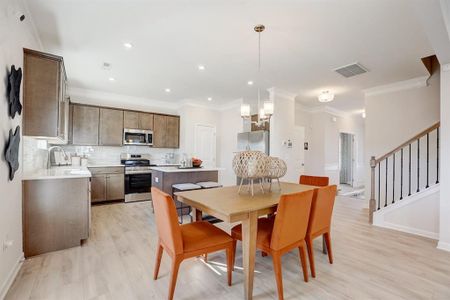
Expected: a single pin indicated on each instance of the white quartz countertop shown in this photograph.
(178, 170)
(58, 173)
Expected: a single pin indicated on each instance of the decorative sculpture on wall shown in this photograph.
(14, 81)
(12, 152)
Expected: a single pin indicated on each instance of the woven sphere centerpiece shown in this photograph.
(276, 168)
(250, 164)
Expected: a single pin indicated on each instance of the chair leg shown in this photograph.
(230, 261)
(328, 243)
(309, 245)
(176, 261)
(206, 257)
(159, 253)
(263, 254)
(278, 274)
(302, 252)
(234, 254)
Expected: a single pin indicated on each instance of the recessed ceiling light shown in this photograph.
(128, 45)
(167, 90)
(111, 79)
(209, 99)
(201, 67)
(250, 82)
(363, 114)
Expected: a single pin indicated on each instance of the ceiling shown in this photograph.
(303, 42)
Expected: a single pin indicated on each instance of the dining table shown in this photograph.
(230, 206)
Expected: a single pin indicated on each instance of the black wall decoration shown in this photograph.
(12, 152)
(14, 81)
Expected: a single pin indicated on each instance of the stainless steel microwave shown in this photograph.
(137, 137)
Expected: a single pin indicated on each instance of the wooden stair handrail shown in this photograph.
(416, 137)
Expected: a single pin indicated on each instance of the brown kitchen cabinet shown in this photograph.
(166, 132)
(85, 120)
(111, 127)
(56, 214)
(107, 184)
(137, 120)
(46, 108)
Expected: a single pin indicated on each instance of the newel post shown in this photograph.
(372, 202)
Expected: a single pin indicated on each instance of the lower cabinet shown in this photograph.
(107, 184)
(56, 214)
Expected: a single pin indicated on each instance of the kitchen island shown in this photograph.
(164, 177)
(56, 209)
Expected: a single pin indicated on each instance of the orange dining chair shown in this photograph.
(314, 180)
(320, 222)
(286, 231)
(185, 241)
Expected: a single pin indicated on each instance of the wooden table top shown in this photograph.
(226, 204)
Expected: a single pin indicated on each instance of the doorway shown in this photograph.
(205, 144)
(346, 158)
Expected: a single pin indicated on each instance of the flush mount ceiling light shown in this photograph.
(128, 45)
(201, 67)
(209, 98)
(265, 111)
(326, 96)
(167, 90)
(363, 115)
(111, 79)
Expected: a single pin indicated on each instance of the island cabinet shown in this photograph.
(56, 214)
(46, 104)
(166, 133)
(137, 120)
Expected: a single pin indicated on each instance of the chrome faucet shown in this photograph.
(50, 151)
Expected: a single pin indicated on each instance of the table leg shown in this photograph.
(249, 230)
(198, 215)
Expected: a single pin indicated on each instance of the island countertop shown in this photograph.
(58, 173)
(174, 169)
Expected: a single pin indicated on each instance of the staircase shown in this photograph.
(404, 177)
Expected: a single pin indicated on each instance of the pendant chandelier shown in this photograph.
(265, 111)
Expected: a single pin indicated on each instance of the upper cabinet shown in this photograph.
(137, 120)
(166, 132)
(85, 120)
(111, 127)
(46, 105)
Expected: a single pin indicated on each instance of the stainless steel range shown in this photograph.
(138, 177)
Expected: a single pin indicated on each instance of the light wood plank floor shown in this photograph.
(117, 263)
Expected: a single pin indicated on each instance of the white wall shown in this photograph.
(230, 125)
(14, 35)
(323, 127)
(394, 117)
(444, 235)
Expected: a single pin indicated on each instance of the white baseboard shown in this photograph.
(443, 246)
(11, 276)
(411, 230)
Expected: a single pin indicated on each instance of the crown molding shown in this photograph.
(326, 109)
(413, 83)
(283, 93)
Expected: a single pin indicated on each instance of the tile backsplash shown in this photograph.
(35, 158)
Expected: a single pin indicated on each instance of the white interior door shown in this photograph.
(205, 144)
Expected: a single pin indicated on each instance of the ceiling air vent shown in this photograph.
(351, 70)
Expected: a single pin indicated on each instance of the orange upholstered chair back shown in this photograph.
(322, 209)
(167, 221)
(314, 180)
(291, 220)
